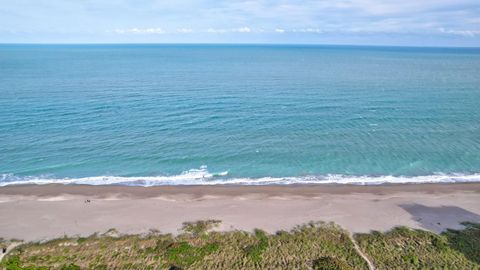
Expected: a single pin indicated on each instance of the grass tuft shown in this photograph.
(404, 248)
(255, 251)
(330, 263)
(200, 227)
(466, 241)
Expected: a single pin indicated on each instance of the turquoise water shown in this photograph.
(210, 114)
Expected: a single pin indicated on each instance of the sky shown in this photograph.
(354, 22)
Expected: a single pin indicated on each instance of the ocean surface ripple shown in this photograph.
(154, 114)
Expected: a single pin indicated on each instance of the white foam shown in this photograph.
(203, 177)
(54, 199)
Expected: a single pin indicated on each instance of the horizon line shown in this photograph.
(238, 43)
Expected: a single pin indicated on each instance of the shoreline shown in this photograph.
(41, 212)
(231, 189)
(201, 176)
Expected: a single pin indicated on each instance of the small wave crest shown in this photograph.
(190, 177)
(202, 176)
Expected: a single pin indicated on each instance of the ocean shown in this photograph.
(238, 114)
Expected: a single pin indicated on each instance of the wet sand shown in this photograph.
(40, 212)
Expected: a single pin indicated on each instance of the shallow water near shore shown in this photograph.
(160, 114)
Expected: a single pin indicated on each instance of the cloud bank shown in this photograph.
(434, 22)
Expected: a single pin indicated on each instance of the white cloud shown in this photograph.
(308, 30)
(243, 30)
(230, 30)
(184, 30)
(353, 16)
(140, 31)
(465, 33)
(474, 20)
(444, 21)
(216, 31)
(382, 26)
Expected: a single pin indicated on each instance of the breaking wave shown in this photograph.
(202, 176)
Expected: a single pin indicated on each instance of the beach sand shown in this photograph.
(40, 212)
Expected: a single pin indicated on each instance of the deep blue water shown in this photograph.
(159, 114)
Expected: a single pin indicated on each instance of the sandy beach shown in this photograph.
(40, 212)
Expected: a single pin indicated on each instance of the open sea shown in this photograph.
(238, 114)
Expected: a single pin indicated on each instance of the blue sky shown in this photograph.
(372, 22)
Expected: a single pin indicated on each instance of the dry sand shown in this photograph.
(34, 213)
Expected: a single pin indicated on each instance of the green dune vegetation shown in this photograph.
(403, 248)
(310, 246)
